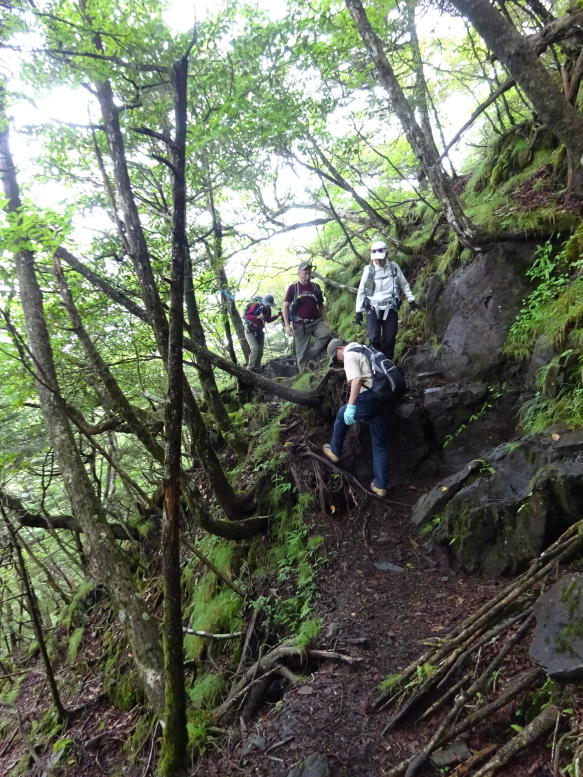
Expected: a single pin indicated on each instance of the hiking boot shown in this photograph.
(330, 454)
(382, 492)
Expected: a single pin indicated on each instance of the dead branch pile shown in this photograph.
(451, 675)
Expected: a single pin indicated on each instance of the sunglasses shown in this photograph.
(382, 251)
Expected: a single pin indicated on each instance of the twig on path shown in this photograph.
(281, 743)
(329, 654)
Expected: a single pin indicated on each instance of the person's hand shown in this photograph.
(366, 303)
(358, 318)
(414, 306)
(279, 314)
(349, 415)
(288, 330)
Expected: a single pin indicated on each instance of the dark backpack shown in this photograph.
(315, 292)
(388, 381)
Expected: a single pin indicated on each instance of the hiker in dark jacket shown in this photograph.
(379, 294)
(303, 316)
(257, 314)
(363, 405)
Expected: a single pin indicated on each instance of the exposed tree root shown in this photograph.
(544, 721)
(273, 663)
(446, 677)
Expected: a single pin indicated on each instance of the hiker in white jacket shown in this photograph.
(380, 294)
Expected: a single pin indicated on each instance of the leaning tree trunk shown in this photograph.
(518, 55)
(109, 564)
(421, 142)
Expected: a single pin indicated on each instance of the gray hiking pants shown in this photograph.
(303, 333)
(256, 341)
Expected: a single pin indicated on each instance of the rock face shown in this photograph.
(281, 367)
(557, 641)
(502, 510)
(472, 313)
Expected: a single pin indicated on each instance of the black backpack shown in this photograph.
(388, 381)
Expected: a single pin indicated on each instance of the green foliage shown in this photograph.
(308, 633)
(221, 612)
(294, 562)
(119, 680)
(549, 273)
(77, 606)
(207, 691)
(197, 726)
(390, 682)
(65, 743)
(75, 641)
(494, 393)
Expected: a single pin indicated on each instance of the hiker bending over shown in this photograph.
(379, 294)
(303, 316)
(256, 315)
(375, 385)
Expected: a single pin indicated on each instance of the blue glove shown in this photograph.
(358, 318)
(349, 415)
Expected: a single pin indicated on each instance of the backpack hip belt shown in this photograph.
(384, 306)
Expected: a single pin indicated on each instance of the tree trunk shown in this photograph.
(203, 448)
(173, 755)
(108, 562)
(422, 144)
(204, 368)
(518, 55)
(36, 617)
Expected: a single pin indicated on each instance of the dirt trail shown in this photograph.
(380, 587)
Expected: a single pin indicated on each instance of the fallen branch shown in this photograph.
(209, 635)
(472, 628)
(544, 721)
(410, 766)
(333, 656)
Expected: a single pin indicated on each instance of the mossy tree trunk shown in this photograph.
(518, 55)
(421, 142)
(174, 755)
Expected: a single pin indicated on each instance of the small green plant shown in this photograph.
(485, 467)
(390, 682)
(308, 632)
(494, 393)
(430, 526)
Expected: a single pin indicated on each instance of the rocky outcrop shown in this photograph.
(557, 641)
(502, 510)
(469, 316)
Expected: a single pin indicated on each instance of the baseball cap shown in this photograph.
(305, 266)
(333, 345)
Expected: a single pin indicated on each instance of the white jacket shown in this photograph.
(389, 285)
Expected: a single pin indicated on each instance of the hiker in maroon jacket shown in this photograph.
(256, 315)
